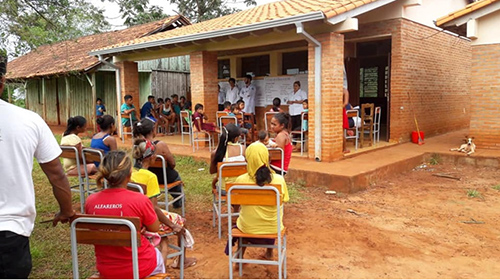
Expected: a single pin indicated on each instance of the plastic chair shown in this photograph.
(302, 133)
(91, 155)
(277, 154)
(70, 152)
(219, 114)
(184, 125)
(160, 162)
(353, 114)
(268, 195)
(225, 169)
(195, 137)
(122, 127)
(110, 231)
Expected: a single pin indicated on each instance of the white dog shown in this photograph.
(468, 148)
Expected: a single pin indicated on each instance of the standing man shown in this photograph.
(247, 93)
(232, 92)
(24, 135)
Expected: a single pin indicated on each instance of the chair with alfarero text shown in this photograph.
(248, 194)
(110, 231)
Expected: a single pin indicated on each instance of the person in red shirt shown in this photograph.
(116, 262)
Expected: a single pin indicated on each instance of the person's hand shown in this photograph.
(178, 229)
(63, 217)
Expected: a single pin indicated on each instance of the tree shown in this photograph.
(138, 11)
(201, 10)
(27, 24)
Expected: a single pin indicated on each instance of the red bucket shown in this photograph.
(414, 136)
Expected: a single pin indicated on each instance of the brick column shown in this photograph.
(129, 79)
(332, 63)
(204, 81)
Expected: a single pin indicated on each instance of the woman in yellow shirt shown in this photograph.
(260, 219)
(144, 153)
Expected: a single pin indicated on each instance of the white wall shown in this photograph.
(425, 14)
(488, 28)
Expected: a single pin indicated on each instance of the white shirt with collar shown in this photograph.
(222, 97)
(232, 94)
(296, 109)
(247, 93)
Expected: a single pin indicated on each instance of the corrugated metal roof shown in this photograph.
(72, 55)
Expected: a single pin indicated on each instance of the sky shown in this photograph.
(112, 11)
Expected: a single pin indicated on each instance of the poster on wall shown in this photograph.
(270, 87)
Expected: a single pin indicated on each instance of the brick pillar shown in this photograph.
(129, 79)
(204, 81)
(332, 63)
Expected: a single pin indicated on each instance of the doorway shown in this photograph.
(368, 74)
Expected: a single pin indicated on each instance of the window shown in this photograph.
(255, 65)
(294, 63)
(223, 66)
(368, 82)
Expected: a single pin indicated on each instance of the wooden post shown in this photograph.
(94, 97)
(44, 105)
(26, 100)
(68, 113)
(9, 93)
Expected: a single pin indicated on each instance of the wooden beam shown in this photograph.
(9, 94)
(282, 29)
(68, 113)
(219, 39)
(94, 97)
(44, 106)
(259, 33)
(238, 36)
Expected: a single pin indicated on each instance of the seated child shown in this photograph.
(128, 108)
(235, 111)
(241, 106)
(70, 137)
(199, 117)
(116, 262)
(305, 105)
(264, 139)
(227, 107)
(276, 106)
(144, 153)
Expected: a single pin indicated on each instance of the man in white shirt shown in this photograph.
(232, 92)
(221, 98)
(247, 93)
(24, 135)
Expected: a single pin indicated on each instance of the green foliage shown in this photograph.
(435, 159)
(136, 12)
(200, 10)
(497, 187)
(473, 193)
(30, 24)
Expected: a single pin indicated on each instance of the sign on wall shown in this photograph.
(271, 87)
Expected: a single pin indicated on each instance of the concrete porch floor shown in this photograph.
(358, 170)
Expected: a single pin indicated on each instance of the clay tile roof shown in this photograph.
(467, 10)
(267, 12)
(72, 55)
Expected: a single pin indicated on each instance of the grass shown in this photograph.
(473, 193)
(435, 159)
(497, 187)
(50, 246)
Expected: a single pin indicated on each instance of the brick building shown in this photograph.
(480, 21)
(394, 57)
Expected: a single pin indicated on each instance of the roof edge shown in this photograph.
(473, 8)
(317, 15)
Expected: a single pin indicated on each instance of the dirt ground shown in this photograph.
(410, 226)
